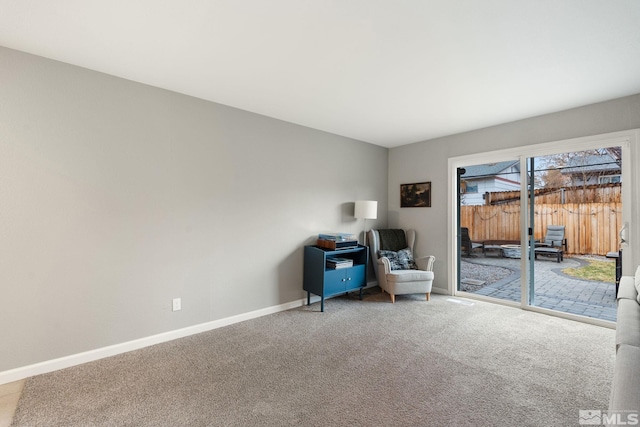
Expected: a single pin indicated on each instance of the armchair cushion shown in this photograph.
(408, 276)
(400, 260)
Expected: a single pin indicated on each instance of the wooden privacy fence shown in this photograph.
(597, 193)
(590, 228)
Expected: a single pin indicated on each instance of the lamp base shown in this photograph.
(364, 233)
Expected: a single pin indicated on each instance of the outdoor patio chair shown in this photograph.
(466, 245)
(554, 243)
(554, 238)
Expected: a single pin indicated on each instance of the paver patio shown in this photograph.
(553, 289)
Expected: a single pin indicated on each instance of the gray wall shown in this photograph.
(428, 161)
(116, 197)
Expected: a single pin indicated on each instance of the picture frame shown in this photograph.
(415, 195)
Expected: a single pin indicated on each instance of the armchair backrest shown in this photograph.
(388, 239)
(465, 240)
(555, 235)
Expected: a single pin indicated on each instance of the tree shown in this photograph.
(553, 178)
(578, 168)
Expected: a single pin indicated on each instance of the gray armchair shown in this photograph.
(398, 273)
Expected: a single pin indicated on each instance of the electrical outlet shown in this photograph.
(177, 304)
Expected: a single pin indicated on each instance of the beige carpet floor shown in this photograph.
(360, 363)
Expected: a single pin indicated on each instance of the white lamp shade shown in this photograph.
(367, 209)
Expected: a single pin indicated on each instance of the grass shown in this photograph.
(601, 271)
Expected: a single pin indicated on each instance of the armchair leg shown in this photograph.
(393, 298)
(428, 296)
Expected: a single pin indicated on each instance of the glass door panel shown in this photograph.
(488, 227)
(574, 211)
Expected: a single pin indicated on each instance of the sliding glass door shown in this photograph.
(542, 230)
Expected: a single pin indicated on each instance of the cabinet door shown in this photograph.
(344, 279)
(355, 277)
(335, 281)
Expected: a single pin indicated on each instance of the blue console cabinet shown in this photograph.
(326, 282)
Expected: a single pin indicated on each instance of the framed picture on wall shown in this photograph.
(417, 195)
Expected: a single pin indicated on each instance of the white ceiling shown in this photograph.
(389, 72)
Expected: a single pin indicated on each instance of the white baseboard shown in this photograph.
(100, 353)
